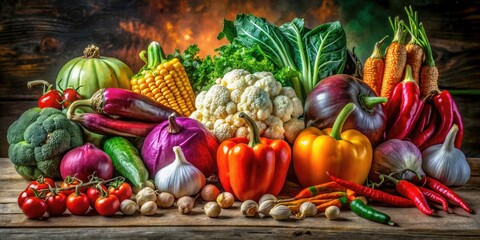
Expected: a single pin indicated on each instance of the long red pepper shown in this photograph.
(424, 118)
(447, 193)
(374, 194)
(443, 102)
(457, 119)
(412, 192)
(404, 115)
(428, 133)
(436, 197)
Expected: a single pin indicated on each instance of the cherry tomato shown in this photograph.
(70, 191)
(78, 204)
(70, 95)
(93, 194)
(24, 195)
(53, 98)
(41, 183)
(56, 204)
(124, 191)
(34, 207)
(107, 206)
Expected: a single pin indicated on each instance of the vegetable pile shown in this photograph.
(227, 127)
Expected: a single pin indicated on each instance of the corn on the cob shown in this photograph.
(165, 82)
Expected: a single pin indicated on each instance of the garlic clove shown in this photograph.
(265, 207)
(128, 207)
(308, 209)
(149, 208)
(165, 200)
(225, 200)
(249, 208)
(280, 212)
(212, 209)
(145, 195)
(185, 204)
(332, 212)
(266, 197)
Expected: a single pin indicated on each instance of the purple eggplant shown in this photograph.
(126, 104)
(331, 94)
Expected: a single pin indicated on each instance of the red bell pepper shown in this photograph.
(251, 168)
(405, 107)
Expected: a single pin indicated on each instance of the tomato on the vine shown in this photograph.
(41, 183)
(34, 207)
(122, 192)
(67, 184)
(108, 205)
(70, 95)
(93, 193)
(24, 195)
(78, 204)
(56, 203)
(50, 98)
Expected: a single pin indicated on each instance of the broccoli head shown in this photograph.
(39, 139)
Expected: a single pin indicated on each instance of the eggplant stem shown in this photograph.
(71, 110)
(370, 102)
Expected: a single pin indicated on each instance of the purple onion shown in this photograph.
(85, 160)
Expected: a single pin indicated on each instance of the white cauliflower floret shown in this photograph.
(283, 107)
(242, 132)
(275, 128)
(236, 75)
(270, 85)
(259, 75)
(223, 130)
(289, 92)
(261, 127)
(292, 128)
(297, 107)
(209, 125)
(197, 115)
(199, 100)
(231, 108)
(215, 101)
(256, 101)
(235, 95)
(250, 79)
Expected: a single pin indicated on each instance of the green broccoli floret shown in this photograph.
(39, 139)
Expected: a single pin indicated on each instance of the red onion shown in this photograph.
(396, 156)
(198, 145)
(85, 160)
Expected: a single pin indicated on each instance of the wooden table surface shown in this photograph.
(410, 223)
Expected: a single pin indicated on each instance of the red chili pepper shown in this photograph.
(443, 102)
(457, 119)
(447, 193)
(404, 115)
(423, 120)
(434, 196)
(412, 192)
(374, 194)
(428, 133)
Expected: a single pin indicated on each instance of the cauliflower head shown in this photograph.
(39, 139)
(275, 109)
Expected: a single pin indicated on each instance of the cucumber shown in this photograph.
(126, 160)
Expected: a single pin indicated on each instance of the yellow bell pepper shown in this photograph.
(347, 154)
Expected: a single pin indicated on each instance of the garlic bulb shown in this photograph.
(180, 178)
(445, 162)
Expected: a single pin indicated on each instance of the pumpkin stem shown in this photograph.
(91, 51)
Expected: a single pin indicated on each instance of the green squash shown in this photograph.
(92, 72)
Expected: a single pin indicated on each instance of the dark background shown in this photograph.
(38, 37)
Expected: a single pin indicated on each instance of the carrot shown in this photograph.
(328, 195)
(429, 72)
(395, 59)
(340, 202)
(374, 67)
(319, 189)
(415, 52)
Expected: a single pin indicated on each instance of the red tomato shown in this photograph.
(107, 206)
(56, 204)
(70, 95)
(70, 191)
(93, 194)
(78, 204)
(24, 195)
(124, 191)
(41, 183)
(53, 99)
(34, 207)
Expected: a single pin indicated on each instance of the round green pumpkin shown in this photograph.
(91, 72)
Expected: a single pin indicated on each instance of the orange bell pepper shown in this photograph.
(251, 168)
(345, 154)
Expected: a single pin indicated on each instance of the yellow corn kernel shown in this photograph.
(142, 86)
